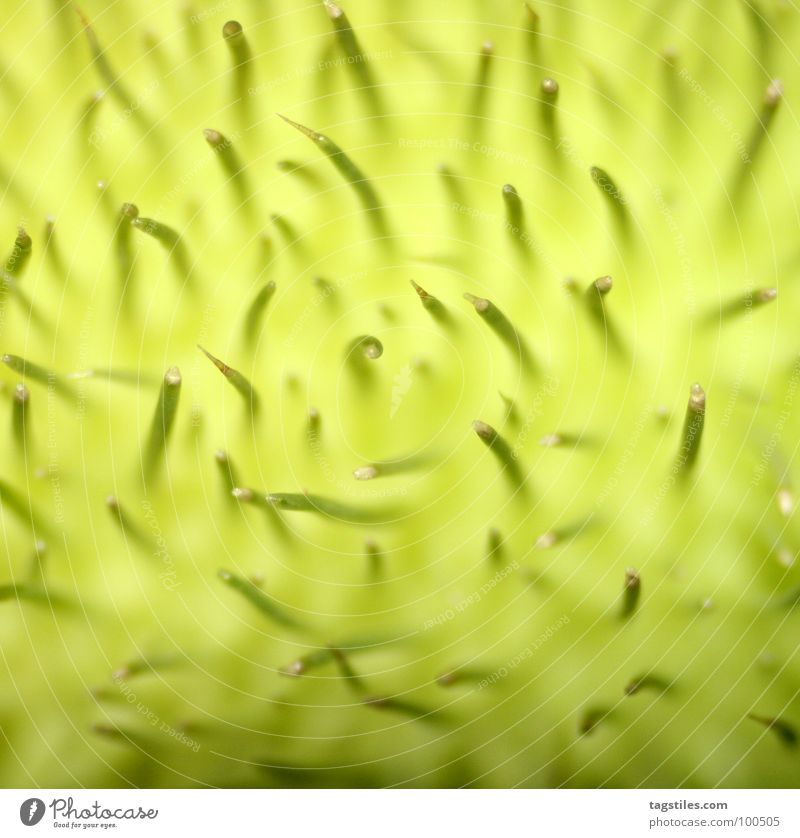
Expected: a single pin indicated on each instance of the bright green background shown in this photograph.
(670, 133)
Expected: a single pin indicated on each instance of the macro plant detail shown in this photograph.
(399, 394)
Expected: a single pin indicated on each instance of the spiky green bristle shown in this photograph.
(484, 472)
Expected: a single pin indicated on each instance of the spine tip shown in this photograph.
(631, 592)
(549, 88)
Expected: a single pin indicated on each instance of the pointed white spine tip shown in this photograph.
(423, 294)
(295, 669)
(785, 502)
(480, 303)
(546, 540)
(172, 377)
(774, 93)
(334, 12)
(551, 441)
(232, 29)
(243, 495)
(697, 397)
(604, 284)
(367, 346)
(765, 295)
(483, 430)
(366, 473)
(549, 87)
(314, 136)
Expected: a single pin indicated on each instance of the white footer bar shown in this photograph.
(402, 813)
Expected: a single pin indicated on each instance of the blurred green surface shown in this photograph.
(666, 98)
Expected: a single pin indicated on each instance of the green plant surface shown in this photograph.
(399, 396)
